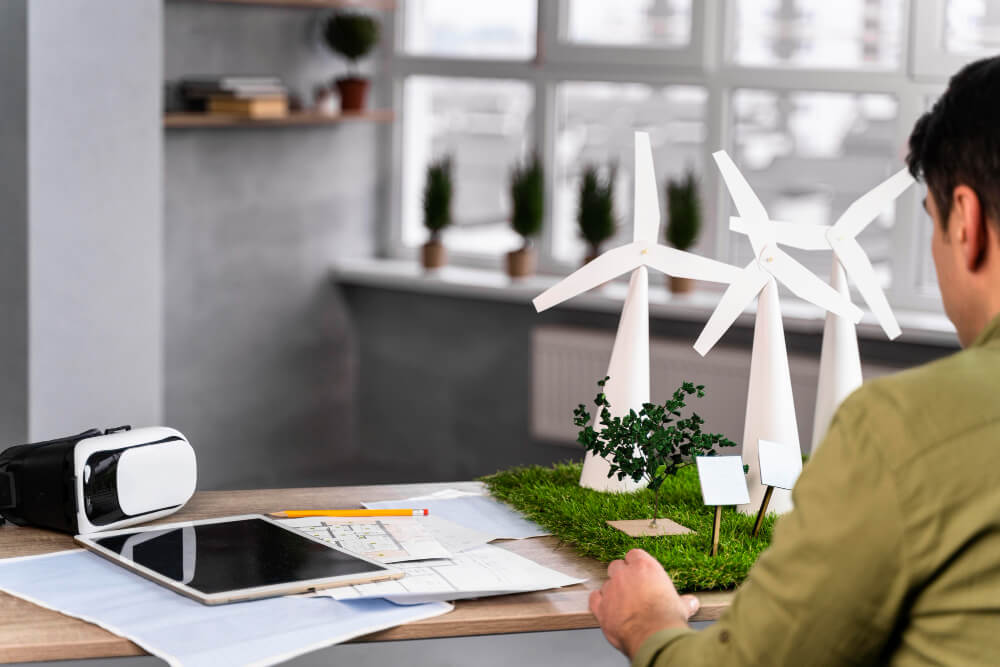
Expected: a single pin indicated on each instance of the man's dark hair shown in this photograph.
(957, 142)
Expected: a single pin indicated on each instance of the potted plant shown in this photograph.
(527, 194)
(683, 221)
(650, 444)
(437, 211)
(352, 35)
(596, 212)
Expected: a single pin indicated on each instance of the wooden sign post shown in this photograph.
(780, 466)
(723, 482)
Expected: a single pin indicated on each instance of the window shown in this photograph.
(813, 99)
(662, 23)
(809, 155)
(459, 29)
(484, 125)
(595, 125)
(855, 34)
(972, 27)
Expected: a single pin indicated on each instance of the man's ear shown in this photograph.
(969, 226)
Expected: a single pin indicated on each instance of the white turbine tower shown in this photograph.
(628, 386)
(770, 406)
(840, 363)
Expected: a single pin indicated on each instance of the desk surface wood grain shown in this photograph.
(32, 633)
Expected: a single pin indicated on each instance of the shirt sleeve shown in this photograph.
(829, 588)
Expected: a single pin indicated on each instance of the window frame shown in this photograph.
(703, 63)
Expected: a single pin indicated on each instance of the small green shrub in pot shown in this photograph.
(595, 214)
(438, 192)
(683, 220)
(353, 35)
(527, 194)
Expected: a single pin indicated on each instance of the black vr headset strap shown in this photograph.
(8, 489)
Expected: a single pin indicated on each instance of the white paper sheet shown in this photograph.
(184, 632)
(476, 512)
(385, 539)
(476, 573)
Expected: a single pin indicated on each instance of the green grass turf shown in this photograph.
(553, 498)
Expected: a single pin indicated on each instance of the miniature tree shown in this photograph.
(527, 194)
(652, 444)
(684, 212)
(437, 197)
(596, 213)
(352, 35)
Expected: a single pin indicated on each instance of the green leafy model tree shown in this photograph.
(596, 212)
(527, 194)
(437, 197)
(684, 212)
(352, 35)
(651, 444)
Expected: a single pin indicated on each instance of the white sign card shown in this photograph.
(780, 465)
(722, 480)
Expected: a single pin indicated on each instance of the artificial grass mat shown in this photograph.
(553, 498)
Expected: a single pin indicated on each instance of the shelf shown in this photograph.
(377, 5)
(181, 120)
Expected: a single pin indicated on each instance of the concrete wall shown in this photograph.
(81, 246)
(14, 227)
(260, 354)
(445, 382)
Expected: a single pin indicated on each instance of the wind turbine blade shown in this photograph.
(646, 206)
(735, 299)
(805, 285)
(867, 207)
(804, 236)
(747, 202)
(607, 267)
(860, 270)
(682, 264)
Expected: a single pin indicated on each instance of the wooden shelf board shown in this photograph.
(177, 120)
(377, 5)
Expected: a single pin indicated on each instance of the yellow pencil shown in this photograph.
(296, 514)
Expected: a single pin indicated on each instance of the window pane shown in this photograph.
(595, 124)
(500, 30)
(972, 27)
(818, 33)
(485, 126)
(652, 23)
(809, 155)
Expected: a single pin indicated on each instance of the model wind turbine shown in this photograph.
(770, 406)
(628, 386)
(840, 363)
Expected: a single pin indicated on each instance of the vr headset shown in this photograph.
(97, 481)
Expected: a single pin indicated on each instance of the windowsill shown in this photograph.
(799, 316)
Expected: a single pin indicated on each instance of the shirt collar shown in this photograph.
(989, 333)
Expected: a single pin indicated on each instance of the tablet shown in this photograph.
(234, 558)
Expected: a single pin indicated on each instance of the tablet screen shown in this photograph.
(233, 555)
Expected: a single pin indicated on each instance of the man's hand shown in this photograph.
(638, 600)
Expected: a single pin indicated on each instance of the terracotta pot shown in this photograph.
(679, 285)
(521, 263)
(353, 91)
(433, 255)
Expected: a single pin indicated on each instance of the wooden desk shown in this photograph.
(32, 633)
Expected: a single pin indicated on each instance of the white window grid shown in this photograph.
(922, 75)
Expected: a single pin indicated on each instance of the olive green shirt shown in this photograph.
(892, 553)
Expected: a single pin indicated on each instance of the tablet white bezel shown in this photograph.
(222, 597)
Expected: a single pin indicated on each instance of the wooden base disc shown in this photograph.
(641, 527)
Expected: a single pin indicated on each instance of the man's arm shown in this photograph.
(829, 588)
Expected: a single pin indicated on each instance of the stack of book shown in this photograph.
(246, 96)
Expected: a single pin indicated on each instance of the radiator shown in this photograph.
(568, 362)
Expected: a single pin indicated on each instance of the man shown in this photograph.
(892, 553)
